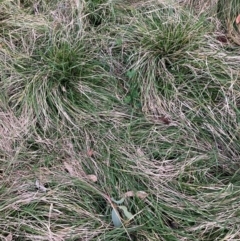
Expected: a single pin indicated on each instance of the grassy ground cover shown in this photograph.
(137, 101)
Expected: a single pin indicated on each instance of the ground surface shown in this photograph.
(99, 100)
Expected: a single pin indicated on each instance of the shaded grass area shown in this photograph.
(102, 98)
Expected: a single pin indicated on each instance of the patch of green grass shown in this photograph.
(59, 80)
(102, 100)
(98, 11)
(169, 59)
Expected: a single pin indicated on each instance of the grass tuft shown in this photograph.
(103, 100)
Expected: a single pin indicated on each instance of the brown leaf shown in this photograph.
(129, 194)
(90, 152)
(141, 194)
(92, 178)
(222, 39)
(64, 89)
(165, 120)
(9, 237)
(69, 168)
(238, 19)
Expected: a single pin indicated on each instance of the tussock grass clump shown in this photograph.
(65, 80)
(55, 75)
(103, 100)
(170, 59)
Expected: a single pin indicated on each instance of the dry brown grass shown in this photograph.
(157, 120)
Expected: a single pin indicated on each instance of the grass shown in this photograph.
(100, 98)
(228, 15)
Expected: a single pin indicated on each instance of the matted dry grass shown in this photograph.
(104, 100)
